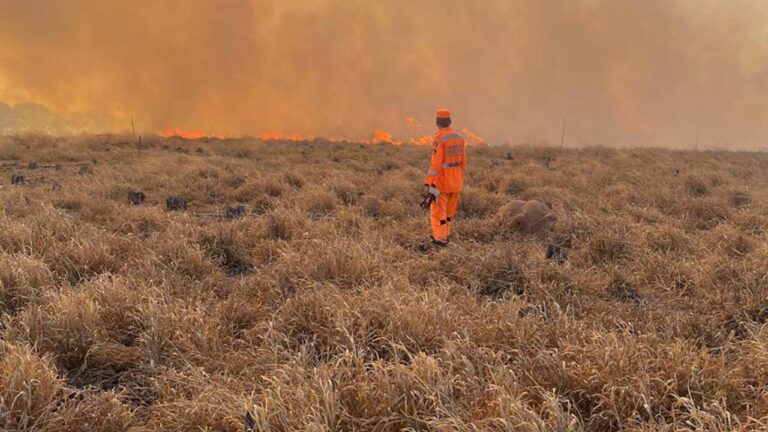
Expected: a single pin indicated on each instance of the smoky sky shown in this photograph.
(622, 72)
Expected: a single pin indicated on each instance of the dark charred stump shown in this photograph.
(136, 197)
(176, 203)
(236, 212)
(557, 254)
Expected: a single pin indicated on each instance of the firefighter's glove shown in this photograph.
(431, 194)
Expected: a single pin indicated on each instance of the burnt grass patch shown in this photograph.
(176, 203)
(136, 197)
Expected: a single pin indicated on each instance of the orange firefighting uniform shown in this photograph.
(446, 173)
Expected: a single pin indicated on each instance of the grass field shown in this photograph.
(319, 311)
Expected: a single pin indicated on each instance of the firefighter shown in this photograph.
(445, 177)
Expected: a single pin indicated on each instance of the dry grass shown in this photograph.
(319, 310)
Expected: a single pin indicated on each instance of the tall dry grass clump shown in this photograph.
(29, 389)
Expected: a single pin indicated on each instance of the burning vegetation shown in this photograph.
(185, 134)
(524, 68)
(379, 137)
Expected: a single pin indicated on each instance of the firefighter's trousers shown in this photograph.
(442, 214)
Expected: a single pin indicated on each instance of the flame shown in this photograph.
(381, 137)
(277, 136)
(473, 138)
(423, 141)
(185, 134)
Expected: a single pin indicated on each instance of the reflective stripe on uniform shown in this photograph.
(451, 137)
(454, 150)
(451, 165)
(432, 172)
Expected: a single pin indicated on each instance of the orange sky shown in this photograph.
(624, 72)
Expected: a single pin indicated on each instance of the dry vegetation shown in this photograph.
(318, 311)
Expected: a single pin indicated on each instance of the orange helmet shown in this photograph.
(443, 113)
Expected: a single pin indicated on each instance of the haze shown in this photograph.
(623, 72)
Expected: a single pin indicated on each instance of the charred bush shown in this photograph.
(739, 199)
(556, 253)
(176, 203)
(236, 212)
(136, 197)
(17, 179)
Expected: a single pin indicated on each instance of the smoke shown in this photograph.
(35, 118)
(623, 72)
